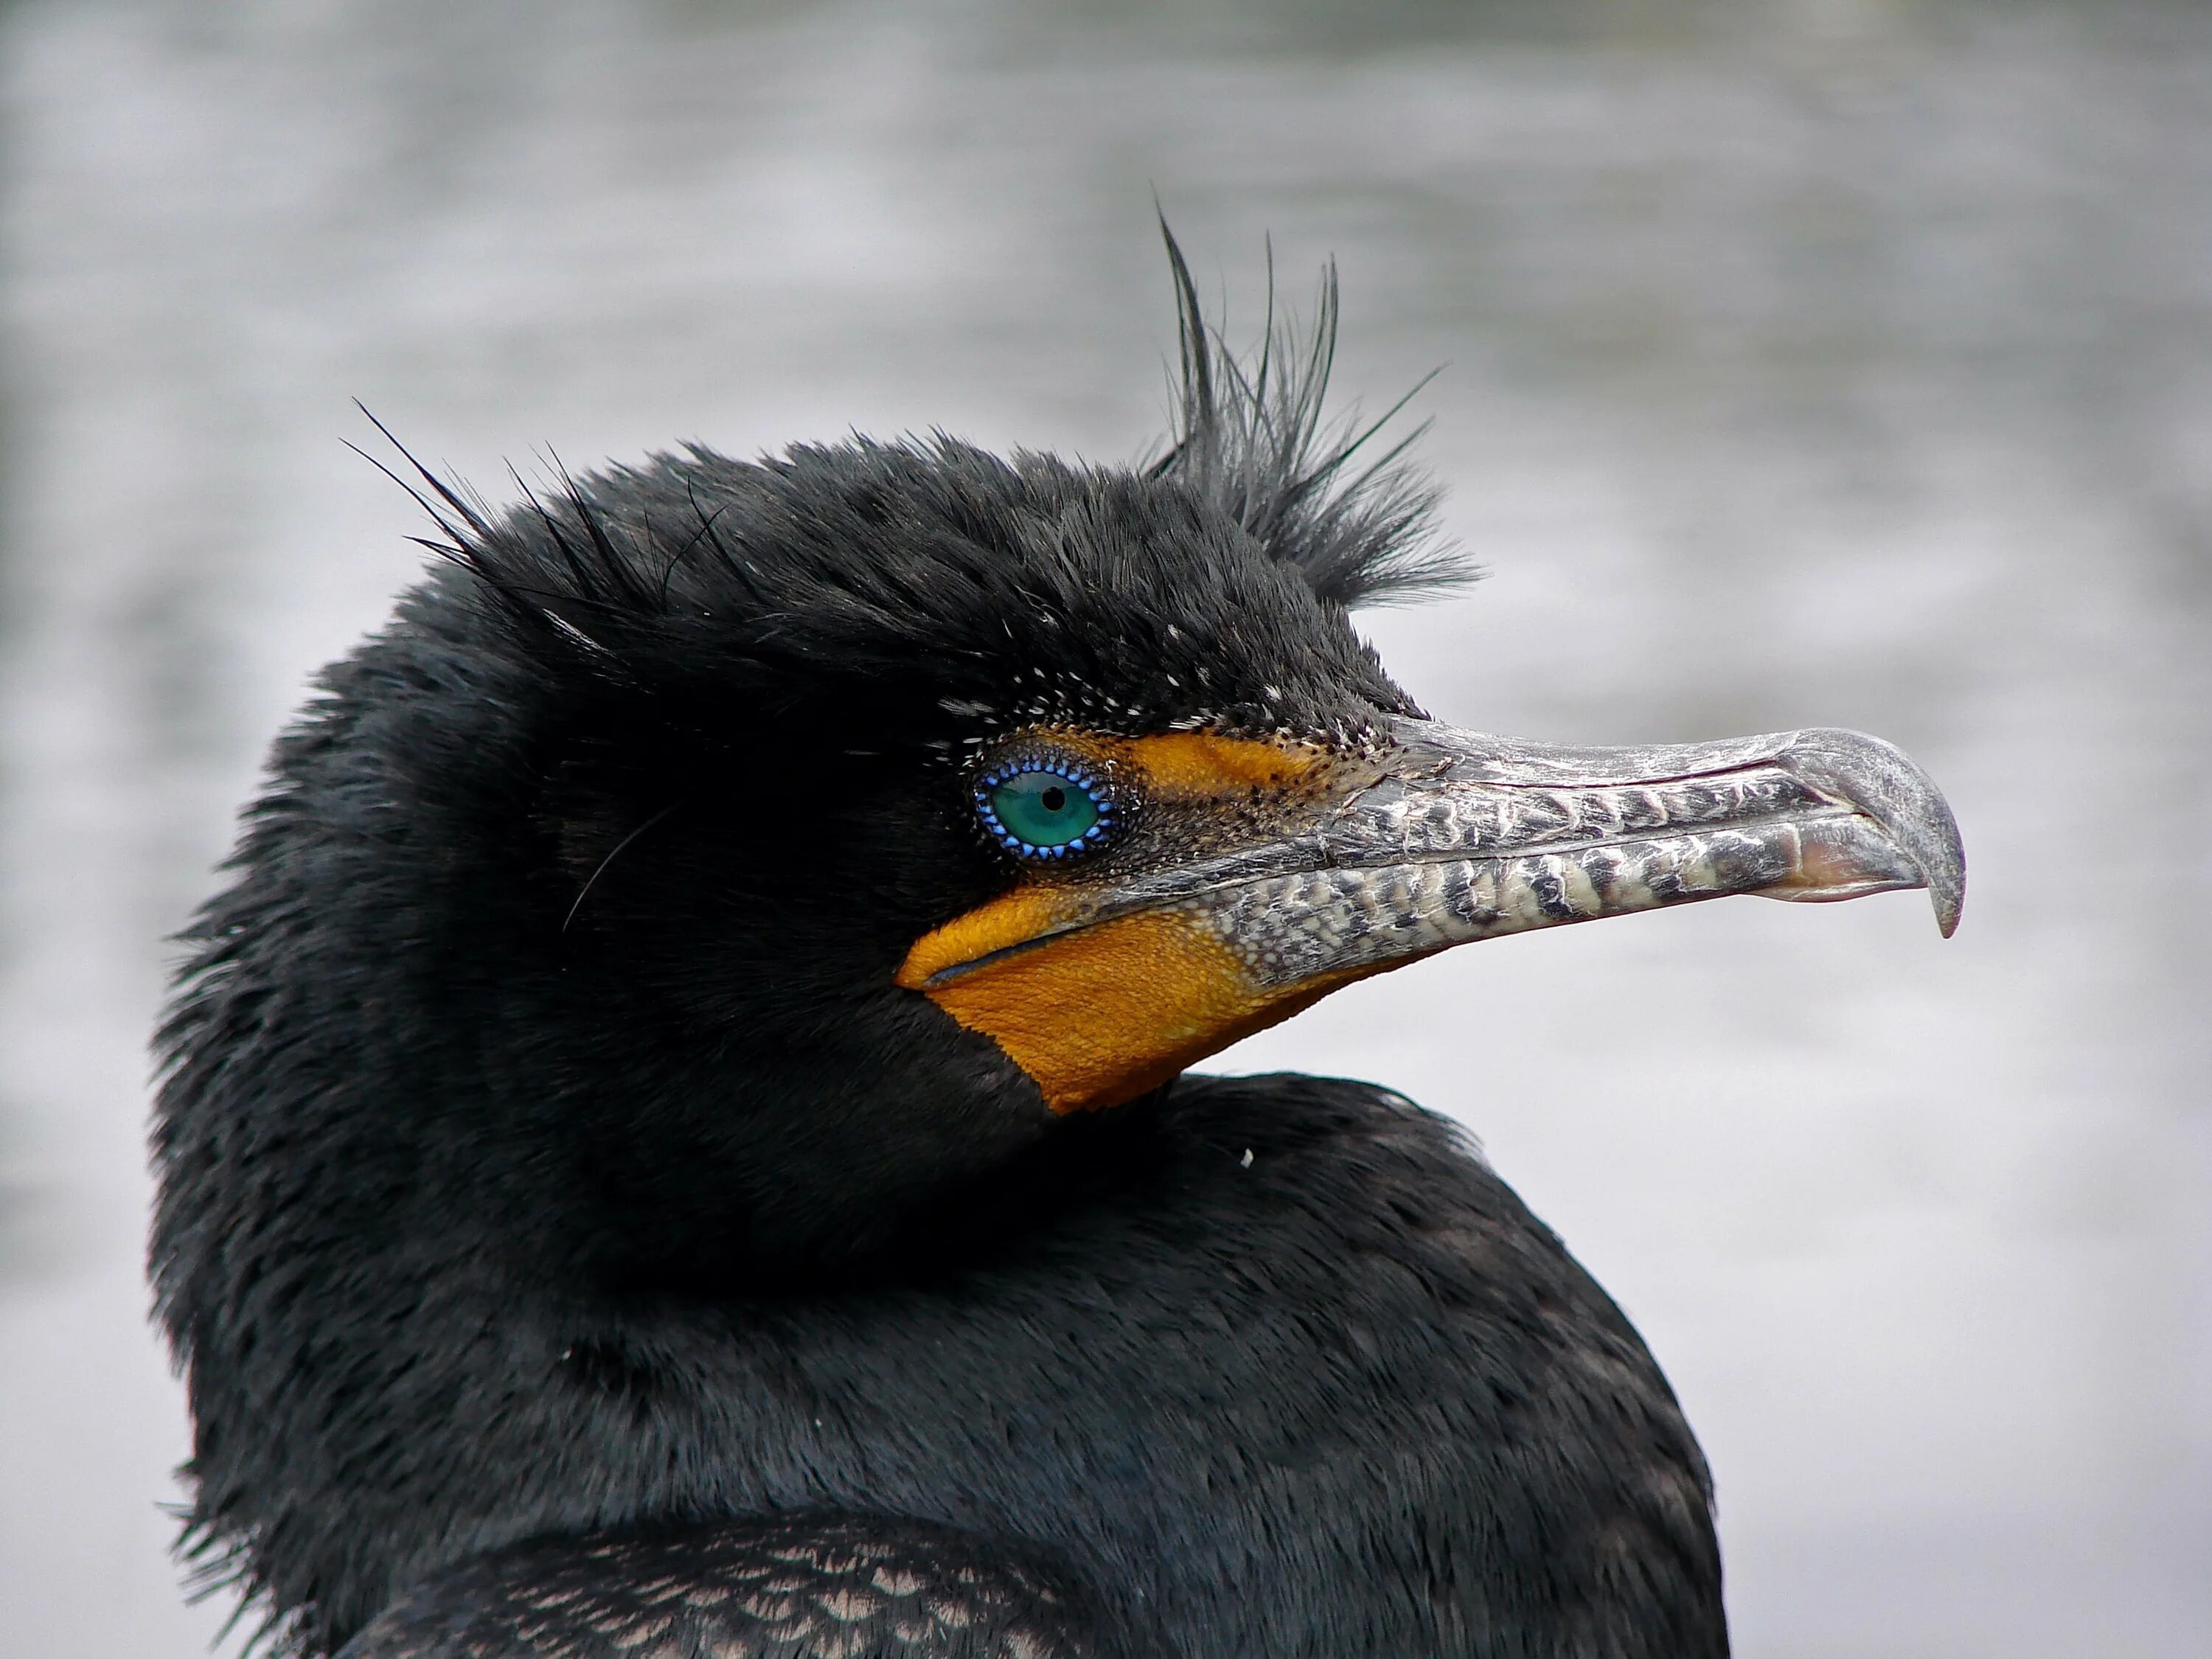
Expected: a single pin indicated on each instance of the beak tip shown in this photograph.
(1943, 872)
(1881, 781)
(1946, 869)
(1946, 879)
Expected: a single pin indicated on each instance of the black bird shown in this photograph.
(676, 1140)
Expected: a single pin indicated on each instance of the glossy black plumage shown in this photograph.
(547, 1153)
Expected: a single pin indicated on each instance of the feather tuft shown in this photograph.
(1251, 438)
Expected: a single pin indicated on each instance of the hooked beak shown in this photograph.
(1100, 992)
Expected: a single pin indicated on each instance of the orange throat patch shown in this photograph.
(1102, 1014)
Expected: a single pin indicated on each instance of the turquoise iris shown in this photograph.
(1042, 808)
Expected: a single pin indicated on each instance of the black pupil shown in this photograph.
(1054, 798)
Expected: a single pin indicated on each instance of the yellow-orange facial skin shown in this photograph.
(1096, 1012)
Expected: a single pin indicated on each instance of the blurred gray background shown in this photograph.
(1827, 362)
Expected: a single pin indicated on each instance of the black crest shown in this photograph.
(1251, 437)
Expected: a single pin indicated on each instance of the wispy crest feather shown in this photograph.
(1251, 437)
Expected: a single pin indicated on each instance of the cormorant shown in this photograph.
(676, 1140)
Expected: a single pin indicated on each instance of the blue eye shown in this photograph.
(1044, 808)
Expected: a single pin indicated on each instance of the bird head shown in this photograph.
(715, 861)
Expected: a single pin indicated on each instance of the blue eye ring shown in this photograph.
(1088, 781)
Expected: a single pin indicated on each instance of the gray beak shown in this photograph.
(1466, 837)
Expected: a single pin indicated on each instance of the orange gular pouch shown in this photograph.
(1100, 1015)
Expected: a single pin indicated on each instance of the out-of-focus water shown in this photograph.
(1839, 362)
